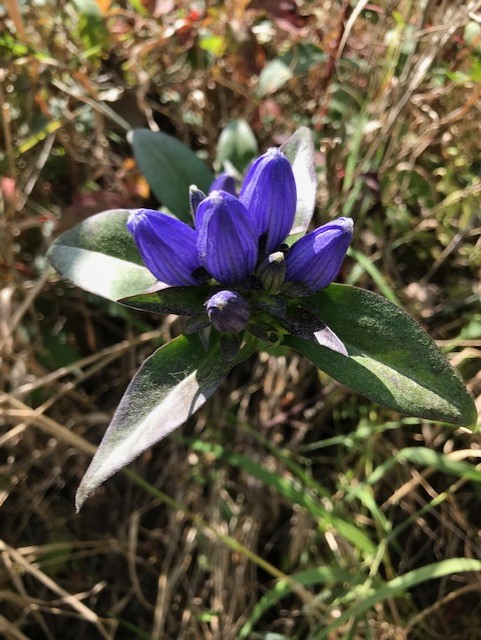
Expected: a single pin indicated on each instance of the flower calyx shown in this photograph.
(272, 272)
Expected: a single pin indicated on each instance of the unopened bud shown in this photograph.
(224, 182)
(315, 259)
(228, 311)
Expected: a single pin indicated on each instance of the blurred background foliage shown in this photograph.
(288, 507)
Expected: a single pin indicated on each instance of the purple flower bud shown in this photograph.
(223, 182)
(167, 246)
(228, 311)
(269, 193)
(316, 258)
(227, 238)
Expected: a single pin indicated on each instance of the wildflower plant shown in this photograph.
(247, 273)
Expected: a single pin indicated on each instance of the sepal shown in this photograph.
(272, 272)
(195, 198)
(229, 344)
(196, 323)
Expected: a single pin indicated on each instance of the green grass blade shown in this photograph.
(369, 267)
(309, 577)
(425, 457)
(402, 584)
(293, 492)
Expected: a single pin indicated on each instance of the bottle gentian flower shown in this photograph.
(315, 259)
(168, 246)
(269, 193)
(234, 236)
(227, 241)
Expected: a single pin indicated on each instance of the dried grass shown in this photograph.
(137, 565)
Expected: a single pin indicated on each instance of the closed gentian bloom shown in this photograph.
(167, 246)
(315, 259)
(223, 182)
(227, 239)
(269, 194)
(228, 311)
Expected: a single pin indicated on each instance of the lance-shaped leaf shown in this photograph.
(100, 256)
(170, 168)
(167, 389)
(182, 301)
(391, 360)
(299, 150)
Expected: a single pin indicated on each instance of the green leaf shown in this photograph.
(170, 169)
(167, 389)
(302, 57)
(182, 301)
(91, 26)
(100, 256)
(89, 7)
(299, 150)
(472, 36)
(237, 145)
(391, 360)
(139, 7)
(475, 71)
(273, 76)
(215, 45)
(295, 62)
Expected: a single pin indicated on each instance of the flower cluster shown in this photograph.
(238, 241)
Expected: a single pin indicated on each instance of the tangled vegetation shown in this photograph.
(288, 506)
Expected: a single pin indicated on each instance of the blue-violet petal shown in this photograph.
(269, 194)
(227, 239)
(315, 259)
(167, 246)
(223, 182)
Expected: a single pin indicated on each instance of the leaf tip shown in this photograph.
(473, 424)
(83, 492)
